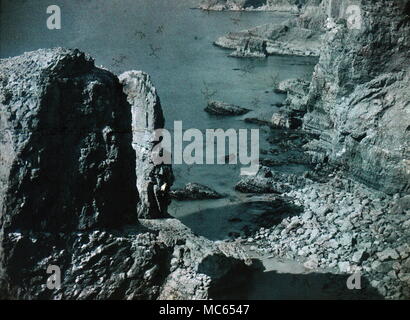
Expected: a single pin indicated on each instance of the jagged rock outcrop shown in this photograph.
(65, 144)
(297, 91)
(68, 191)
(269, 181)
(265, 5)
(359, 100)
(294, 106)
(299, 36)
(153, 181)
(224, 109)
(251, 48)
(194, 191)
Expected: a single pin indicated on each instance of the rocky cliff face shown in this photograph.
(358, 102)
(356, 111)
(68, 190)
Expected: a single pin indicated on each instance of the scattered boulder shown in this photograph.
(194, 191)
(224, 109)
(265, 181)
(388, 254)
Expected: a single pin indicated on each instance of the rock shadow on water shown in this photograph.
(239, 219)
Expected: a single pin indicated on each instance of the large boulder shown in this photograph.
(268, 181)
(65, 151)
(195, 191)
(224, 109)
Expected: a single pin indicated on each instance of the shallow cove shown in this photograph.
(173, 43)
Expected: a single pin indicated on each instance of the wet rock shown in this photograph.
(224, 109)
(266, 181)
(195, 191)
(153, 181)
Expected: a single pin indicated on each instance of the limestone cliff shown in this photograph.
(358, 103)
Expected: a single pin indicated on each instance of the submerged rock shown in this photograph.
(224, 109)
(195, 191)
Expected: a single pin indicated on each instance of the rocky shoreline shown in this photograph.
(253, 5)
(343, 226)
(354, 202)
(297, 36)
(77, 185)
(78, 188)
